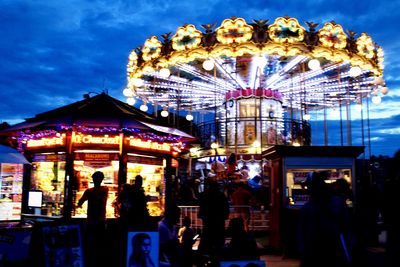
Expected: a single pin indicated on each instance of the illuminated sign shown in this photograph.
(48, 157)
(96, 156)
(145, 160)
(46, 141)
(149, 145)
(98, 140)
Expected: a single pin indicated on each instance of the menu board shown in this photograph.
(296, 183)
(10, 191)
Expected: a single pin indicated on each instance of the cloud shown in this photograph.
(55, 51)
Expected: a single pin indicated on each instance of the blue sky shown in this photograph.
(52, 52)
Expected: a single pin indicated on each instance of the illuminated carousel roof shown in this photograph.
(313, 68)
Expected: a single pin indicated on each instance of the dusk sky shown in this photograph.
(53, 52)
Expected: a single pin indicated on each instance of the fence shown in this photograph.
(258, 219)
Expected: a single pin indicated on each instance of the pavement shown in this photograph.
(372, 257)
(369, 256)
(279, 261)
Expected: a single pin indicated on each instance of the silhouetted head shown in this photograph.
(186, 221)
(316, 185)
(97, 177)
(172, 214)
(138, 181)
(342, 187)
(232, 158)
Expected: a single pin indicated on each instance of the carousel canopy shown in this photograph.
(312, 68)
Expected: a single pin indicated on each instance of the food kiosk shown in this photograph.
(290, 166)
(12, 166)
(67, 145)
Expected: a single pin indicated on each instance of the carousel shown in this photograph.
(265, 90)
(247, 86)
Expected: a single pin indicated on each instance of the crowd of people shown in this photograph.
(174, 243)
(325, 232)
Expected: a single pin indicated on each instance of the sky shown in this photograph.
(53, 52)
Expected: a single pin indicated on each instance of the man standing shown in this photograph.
(97, 200)
(96, 216)
(214, 210)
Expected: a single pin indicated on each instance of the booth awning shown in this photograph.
(168, 130)
(11, 155)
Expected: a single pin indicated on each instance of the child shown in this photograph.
(186, 240)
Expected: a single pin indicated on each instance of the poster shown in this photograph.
(14, 247)
(142, 247)
(62, 246)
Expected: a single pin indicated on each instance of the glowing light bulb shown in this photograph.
(131, 101)
(189, 117)
(307, 117)
(214, 145)
(164, 73)
(164, 113)
(208, 64)
(295, 143)
(144, 107)
(138, 82)
(127, 92)
(314, 64)
(355, 71)
(384, 90)
(256, 144)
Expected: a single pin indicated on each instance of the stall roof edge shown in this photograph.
(312, 151)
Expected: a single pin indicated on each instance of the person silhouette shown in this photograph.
(97, 201)
(213, 210)
(242, 245)
(231, 164)
(186, 240)
(241, 198)
(141, 251)
(132, 201)
(170, 253)
(321, 227)
(96, 217)
(133, 213)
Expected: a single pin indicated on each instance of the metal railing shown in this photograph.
(229, 132)
(258, 219)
